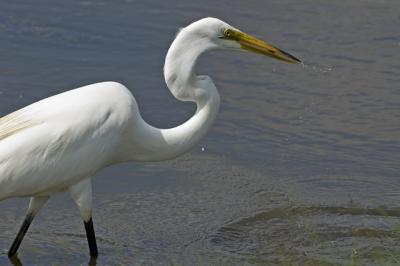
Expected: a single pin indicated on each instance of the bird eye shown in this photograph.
(227, 33)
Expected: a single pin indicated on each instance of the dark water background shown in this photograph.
(301, 167)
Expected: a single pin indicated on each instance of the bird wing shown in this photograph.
(51, 144)
(13, 123)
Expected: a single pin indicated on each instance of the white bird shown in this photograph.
(59, 143)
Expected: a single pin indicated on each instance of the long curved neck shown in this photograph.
(162, 144)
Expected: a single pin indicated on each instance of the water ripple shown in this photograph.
(295, 232)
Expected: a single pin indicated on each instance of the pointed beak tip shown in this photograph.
(291, 58)
(297, 61)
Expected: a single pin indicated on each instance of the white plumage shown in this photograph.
(60, 140)
(59, 143)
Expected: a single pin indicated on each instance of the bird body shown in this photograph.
(59, 143)
(67, 137)
(87, 129)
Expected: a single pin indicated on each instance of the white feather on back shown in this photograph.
(13, 123)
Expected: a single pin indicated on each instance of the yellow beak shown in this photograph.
(255, 45)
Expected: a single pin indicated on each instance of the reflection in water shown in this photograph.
(15, 260)
(92, 261)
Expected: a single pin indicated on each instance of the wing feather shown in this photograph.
(14, 123)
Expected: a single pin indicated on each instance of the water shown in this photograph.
(300, 167)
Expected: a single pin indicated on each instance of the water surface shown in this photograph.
(301, 165)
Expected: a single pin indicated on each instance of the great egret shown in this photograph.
(59, 143)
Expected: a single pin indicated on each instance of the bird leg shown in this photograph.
(81, 193)
(91, 238)
(34, 206)
(21, 233)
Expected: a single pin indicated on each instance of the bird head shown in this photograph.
(220, 35)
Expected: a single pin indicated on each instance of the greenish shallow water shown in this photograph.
(301, 166)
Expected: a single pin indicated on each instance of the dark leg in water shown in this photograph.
(22, 231)
(91, 237)
(34, 206)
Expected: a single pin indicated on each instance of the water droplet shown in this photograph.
(317, 69)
